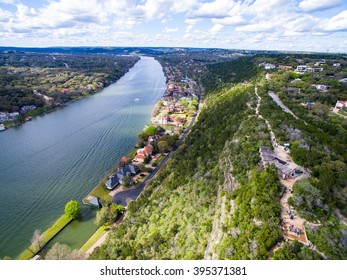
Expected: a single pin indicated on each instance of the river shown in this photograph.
(62, 155)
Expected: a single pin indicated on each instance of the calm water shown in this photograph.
(64, 154)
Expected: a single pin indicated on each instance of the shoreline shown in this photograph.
(104, 192)
(47, 110)
(25, 250)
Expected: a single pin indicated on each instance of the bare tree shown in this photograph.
(36, 240)
(62, 252)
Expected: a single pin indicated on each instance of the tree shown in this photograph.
(151, 130)
(147, 160)
(163, 146)
(72, 209)
(184, 103)
(109, 214)
(126, 181)
(36, 239)
(144, 135)
(141, 166)
(320, 109)
(116, 210)
(62, 252)
(102, 216)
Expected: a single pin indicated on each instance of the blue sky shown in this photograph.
(298, 25)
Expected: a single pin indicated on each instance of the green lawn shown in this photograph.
(132, 153)
(62, 222)
(100, 191)
(95, 237)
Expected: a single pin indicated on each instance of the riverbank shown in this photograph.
(55, 166)
(122, 197)
(48, 235)
(52, 87)
(141, 179)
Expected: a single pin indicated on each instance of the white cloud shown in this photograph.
(336, 23)
(318, 5)
(216, 28)
(8, 1)
(216, 9)
(256, 27)
(234, 20)
(192, 21)
(273, 23)
(157, 9)
(4, 15)
(189, 28)
(170, 30)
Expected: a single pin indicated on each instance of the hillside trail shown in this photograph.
(291, 223)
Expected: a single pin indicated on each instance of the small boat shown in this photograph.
(2, 127)
(136, 99)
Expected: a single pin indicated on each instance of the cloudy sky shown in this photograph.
(306, 25)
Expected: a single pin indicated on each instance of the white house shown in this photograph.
(340, 104)
(301, 69)
(322, 88)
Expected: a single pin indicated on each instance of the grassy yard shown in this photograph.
(95, 237)
(62, 222)
(100, 191)
(132, 153)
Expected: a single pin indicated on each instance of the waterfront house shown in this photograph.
(143, 153)
(127, 170)
(163, 120)
(27, 108)
(112, 182)
(116, 178)
(125, 160)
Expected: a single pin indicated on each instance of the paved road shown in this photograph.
(132, 194)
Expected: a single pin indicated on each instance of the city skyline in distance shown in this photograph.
(294, 25)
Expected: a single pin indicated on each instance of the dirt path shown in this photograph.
(292, 225)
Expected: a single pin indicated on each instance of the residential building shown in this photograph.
(125, 160)
(340, 104)
(322, 88)
(267, 66)
(163, 120)
(301, 69)
(286, 168)
(143, 153)
(112, 182)
(116, 178)
(27, 108)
